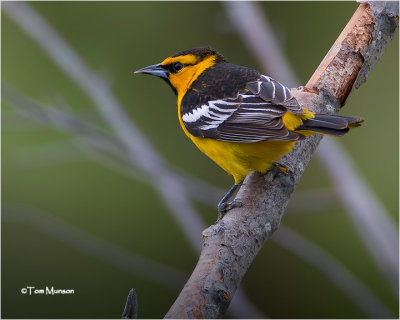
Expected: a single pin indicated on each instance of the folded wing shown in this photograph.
(254, 115)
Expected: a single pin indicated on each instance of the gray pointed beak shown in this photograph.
(155, 70)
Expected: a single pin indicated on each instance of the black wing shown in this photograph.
(254, 115)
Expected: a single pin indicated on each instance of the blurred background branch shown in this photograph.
(139, 149)
(334, 270)
(119, 151)
(94, 246)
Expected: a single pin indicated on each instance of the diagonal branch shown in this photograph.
(370, 218)
(106, 151)
(195, 188)
(230, 246)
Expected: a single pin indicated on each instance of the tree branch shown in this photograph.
(230, 246)
(370, 218)
(106, 151)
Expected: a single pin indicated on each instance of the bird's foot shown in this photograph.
(224, 207)
(283, 169)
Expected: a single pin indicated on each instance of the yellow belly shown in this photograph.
(238, 159)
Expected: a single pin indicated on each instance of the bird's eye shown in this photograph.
(177, 66)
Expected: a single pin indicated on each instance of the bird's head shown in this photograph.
(182, 68)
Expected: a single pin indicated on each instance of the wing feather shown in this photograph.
(254, 115)
(273, 91)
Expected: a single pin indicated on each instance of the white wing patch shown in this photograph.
(246, 107)
(211, 114)
(196, 114)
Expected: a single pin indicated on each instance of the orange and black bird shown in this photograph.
(241, 119)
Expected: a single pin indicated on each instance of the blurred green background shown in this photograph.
(46, 173)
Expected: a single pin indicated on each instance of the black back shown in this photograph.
(222, 80)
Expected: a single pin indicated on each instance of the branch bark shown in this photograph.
(370, 218)
(230, 246)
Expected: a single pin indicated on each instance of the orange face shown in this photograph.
(191, 69)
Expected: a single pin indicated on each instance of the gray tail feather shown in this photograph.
(330, 124)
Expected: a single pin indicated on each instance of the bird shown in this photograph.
(240, 118)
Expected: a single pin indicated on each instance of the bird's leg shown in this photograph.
(224, 205)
